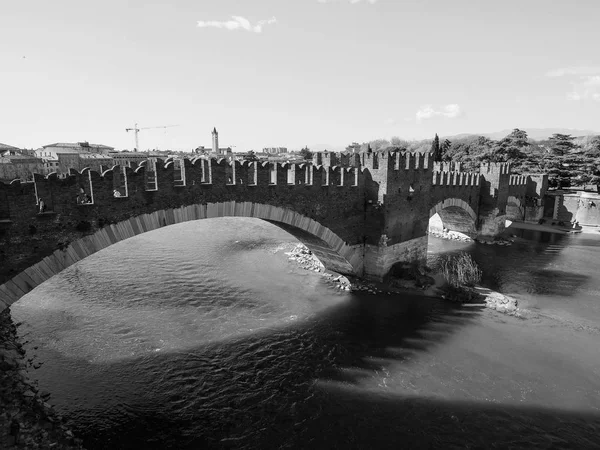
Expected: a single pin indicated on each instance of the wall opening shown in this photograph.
(150, 175)
(179, 172)
(86, 191)
(120, 182)
(252, 173)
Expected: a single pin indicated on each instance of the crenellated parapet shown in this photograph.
(456, 179)
(518, 180)
(376, 203)
(396, 160)
(450, 166)
(492, 168)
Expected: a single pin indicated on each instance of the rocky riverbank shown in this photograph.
(457, 236)
(26, 419)
(451, 235)
(418, 281)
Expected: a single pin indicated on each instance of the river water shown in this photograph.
(204, 335)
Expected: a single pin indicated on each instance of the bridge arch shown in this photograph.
(515, 209)
(327, 246)
(456, 215)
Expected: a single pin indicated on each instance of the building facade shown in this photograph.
(275, 150)
(14, 165)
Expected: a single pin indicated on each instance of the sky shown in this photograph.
(271, 73)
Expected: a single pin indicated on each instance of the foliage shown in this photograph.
(569, 161)
(306, 153)
(510, 147)
(561, 144)
(460, 270)
(250, 156)
(436, 149)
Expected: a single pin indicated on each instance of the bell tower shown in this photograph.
(215, 140)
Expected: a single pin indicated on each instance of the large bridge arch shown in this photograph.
(331, 250)
(456, 215)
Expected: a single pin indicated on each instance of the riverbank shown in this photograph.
(418, 282)
(26, 419)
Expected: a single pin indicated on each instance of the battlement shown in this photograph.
(88, 187)
(447, 166)
(495, 168)
(396, 160)
(518, 180)
(456, 179)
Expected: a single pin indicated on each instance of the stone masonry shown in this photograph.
(364, 212)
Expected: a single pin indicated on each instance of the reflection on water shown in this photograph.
(203, 334)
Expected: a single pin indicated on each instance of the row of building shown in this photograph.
(59, 157)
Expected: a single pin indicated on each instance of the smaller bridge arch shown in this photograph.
(515, 209)
(456, 215)
(327, 246)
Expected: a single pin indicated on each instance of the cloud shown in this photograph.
(371, 2)
(237, 23)
(390, 121)
(450, 111)
(585, 81)
(575, 70)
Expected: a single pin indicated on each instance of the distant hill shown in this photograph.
(533, 133)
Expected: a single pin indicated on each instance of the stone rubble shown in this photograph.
(499, 302)
(26, 419)
(457, 236)
(452, 235)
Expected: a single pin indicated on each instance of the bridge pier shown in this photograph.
(379, 259)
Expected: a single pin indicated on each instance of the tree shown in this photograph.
(250, 156)
(436, 149)
(510, 147)
(306, 153)
(398, 143)
(379, 144)
(445, 145)
(561, 144)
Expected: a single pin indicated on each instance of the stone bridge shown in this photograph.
(360, 214)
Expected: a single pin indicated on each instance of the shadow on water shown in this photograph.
(525, 262)
(262, 391)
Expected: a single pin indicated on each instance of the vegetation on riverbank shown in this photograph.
(569, 160)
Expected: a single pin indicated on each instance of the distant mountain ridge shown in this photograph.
(533, 133)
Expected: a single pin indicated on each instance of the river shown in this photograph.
(204, 335)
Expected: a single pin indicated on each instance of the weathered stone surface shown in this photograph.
(366, 216)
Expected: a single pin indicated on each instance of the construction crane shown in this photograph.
(136, 130)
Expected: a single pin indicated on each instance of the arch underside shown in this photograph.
(329, 248)
(456, 215)
(514, 209)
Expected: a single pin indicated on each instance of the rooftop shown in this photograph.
(77, 145)
(94, 156)
(7, 147)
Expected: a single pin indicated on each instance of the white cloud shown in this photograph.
(237, 23)
(575, 70)
(584, 79)
(371, 2)
(592, 80)
(586, 88)
(390, 121)
(450, 111)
